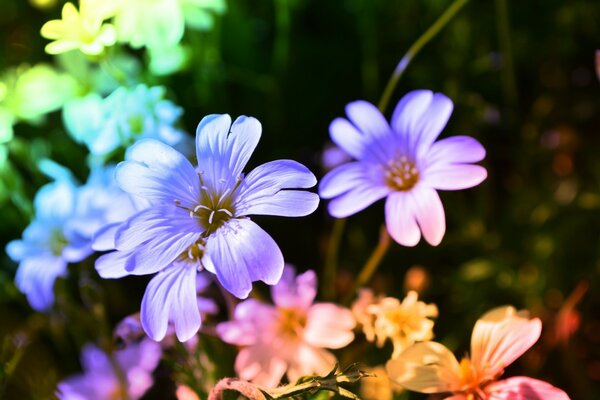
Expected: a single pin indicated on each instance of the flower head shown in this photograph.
(100, 381)
(404, 323)
(122, 118)
(83, 29)
(290, 336)
(198, 219)
(499, 338)
(402, 162)
(67, 217)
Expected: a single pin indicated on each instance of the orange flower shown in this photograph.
(499, 338)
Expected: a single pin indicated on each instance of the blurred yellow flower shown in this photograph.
(83, 29)
(379, 386)
(404, 323)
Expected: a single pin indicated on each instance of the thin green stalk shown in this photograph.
(331, 259)
(372, 263)
(429, 34)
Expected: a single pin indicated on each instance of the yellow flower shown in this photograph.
(404, 323)
(83, 29)
(379, 386)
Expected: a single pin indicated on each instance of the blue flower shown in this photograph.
(47, 246)
(198, 220)
(124, 117)
(67, 218)
(402, 162)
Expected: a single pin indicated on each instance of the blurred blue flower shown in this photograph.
(67, 217)
(402, 162)
(122, 118)
(100, 380)
(198, 220)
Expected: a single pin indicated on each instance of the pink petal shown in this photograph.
(400, 219)
(259, 365)
(310, 360)
(524, 388)
(500, 337)
(295, 291)
(429, 213)
(329, 325)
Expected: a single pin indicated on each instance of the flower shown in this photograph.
(121, 119)
(499, 337)
(289, 337)
(47, 245)
(83, 29)
(28, 93)
(160, 24)
(403, 163)
(379, 386)
(198, 219)
(403, 322)
(100, 381)
(67, 217)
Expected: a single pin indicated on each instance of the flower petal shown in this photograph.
(295, 291)
(257, 194)
(431, 123)
(243, 253)
(329, 325)
(309, 360)
(171, 295)
(357, 199)
(429, 212)
(408, 112)
(368, 119)
(347, 176)
(250, 317)
(36, 276)
(454, 177)
(455, 150)
(347, 137)
(244, 136)
(400, 219)
(211, 146)
(259, 365)
(500, 337)
(159, 173)
(426, 367)
(524, 388)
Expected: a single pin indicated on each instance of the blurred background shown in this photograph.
(524, 82)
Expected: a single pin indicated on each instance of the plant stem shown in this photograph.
(372, 263)
(429, 34)
(331, 259)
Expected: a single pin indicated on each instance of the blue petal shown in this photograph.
(362, 195)
(36, 276)
(347, 176)
(242, 253)
(155, 171)
(211, 138)
(171, 295)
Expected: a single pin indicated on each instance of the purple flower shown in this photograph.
(198, 220)
(100, 381)
(402, 162)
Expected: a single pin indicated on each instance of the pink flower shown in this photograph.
(289, 337)
(403, 162)
(499, 338)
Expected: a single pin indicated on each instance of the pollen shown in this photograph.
(401, 174)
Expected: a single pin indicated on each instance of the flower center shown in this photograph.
(193, 255)
(57, 242)
(215, 206)
(291, 322)
(401, 174)
(470, 381)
